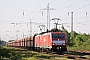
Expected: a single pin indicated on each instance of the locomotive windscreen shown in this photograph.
(58, 35)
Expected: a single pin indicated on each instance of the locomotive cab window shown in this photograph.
(54, 35)
(58, 35)
(61, 36)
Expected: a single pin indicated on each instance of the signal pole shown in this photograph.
(30, 27)
(48, 15)
(71, 21)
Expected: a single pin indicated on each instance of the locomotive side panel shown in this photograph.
(37, 41)
(46, 41)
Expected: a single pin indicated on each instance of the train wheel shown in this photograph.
(48, 51)
(39, 50)
(42, 49)
(51, 51)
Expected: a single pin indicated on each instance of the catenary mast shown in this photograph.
(48, 15)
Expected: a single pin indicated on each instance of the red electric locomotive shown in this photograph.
(51, 41)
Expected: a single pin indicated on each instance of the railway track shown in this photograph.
(79, 54)
(76, 55)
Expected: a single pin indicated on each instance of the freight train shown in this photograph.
(47, 41)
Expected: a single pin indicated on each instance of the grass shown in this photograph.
(17, 54)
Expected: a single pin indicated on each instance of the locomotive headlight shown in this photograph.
(60, 47)
(53, 44)
(63, 44)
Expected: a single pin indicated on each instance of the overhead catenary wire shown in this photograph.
(76, 10)
(71, 5)
(18, 8)
(12, 6)
(35, 15)
(81, 7)
(53, 2)
(23, 10)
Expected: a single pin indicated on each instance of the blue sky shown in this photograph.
(11, 11)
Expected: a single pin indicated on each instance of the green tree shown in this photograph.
(72, 37)
(78, 41)
(0, 42)
(86, 45)
(85, 37)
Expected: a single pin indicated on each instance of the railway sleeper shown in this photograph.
(70, 57)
